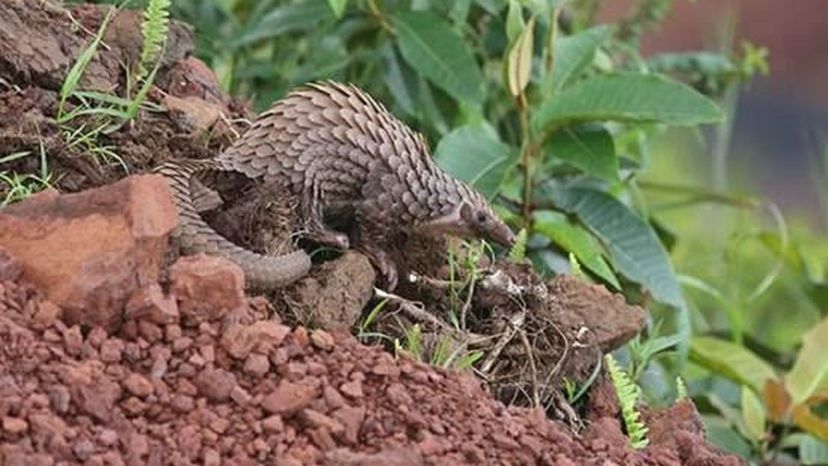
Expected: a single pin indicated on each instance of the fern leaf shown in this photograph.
(627, 393)
(518, 251)
(154, 29)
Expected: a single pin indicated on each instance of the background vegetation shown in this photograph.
(593, 149)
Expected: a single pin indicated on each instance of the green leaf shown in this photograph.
(519, 60)
(432, 47)
(573, 54)
(401, 81)
(338, 7)
(809, 374)
(288, 18)
(812, 451)
(514, 21)
(753, 414)
(575, 239)
(633, 245)
(731, 360)
(589, 148)
(720, 433)
(476, 155)
(628, 97)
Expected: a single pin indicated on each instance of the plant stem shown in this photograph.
(526, 156)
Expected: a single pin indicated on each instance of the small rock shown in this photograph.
(288, 399)
(96, 398)
(138, 385)
(108, 437)
(149, 302)
(351, 419)
(46, 315)
(322, 340)
(315, 419)
(211, 457)
(73, 340)
(83, 449)
(333, 399)
(257, 364)
(215, 384)
(240, 340)
(207, 284)
(273, 424)
(352, 389)
(111, 350)
(14, 425)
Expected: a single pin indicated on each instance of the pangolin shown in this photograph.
(338, 150)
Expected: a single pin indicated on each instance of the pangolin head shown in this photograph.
(471, 215)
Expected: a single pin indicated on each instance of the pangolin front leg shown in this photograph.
(313, 213)
(370, 236)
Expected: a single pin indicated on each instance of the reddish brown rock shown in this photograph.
(241, 340)
(207, 286)
(216, 384)
(288, 399)
(91, 250)
(150, 302)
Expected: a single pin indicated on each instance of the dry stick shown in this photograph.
(515, 324)
(535, 396)
(417, 313)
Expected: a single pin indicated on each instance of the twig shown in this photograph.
(535, 396)
(416, 312)
(515, 324)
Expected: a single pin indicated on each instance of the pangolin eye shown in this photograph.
(481, 217)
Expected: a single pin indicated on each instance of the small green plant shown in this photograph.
(518, 251)
(18, 186)
(461, 290)
(363, 334)
(627, 392)
(107, 112)
(154, 29)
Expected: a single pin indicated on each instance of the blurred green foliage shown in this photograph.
(567, 128)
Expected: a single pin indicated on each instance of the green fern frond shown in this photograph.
(518, 251)
(154, 29)
(627, 393)
(681, 389)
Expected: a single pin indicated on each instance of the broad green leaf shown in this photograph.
(519, 60)
(475, 155)
(514, 21)
(809, 374)
(628, 97)
(338, 7)
(731, 360)
(578, 241)
(753, 414)
(573, 54)
(432, 47)
(812, 451)
(400, 81)
(721, 434)
(288, 18)
(589, 148)
(633, 245)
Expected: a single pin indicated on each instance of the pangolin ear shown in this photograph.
(466, 212)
